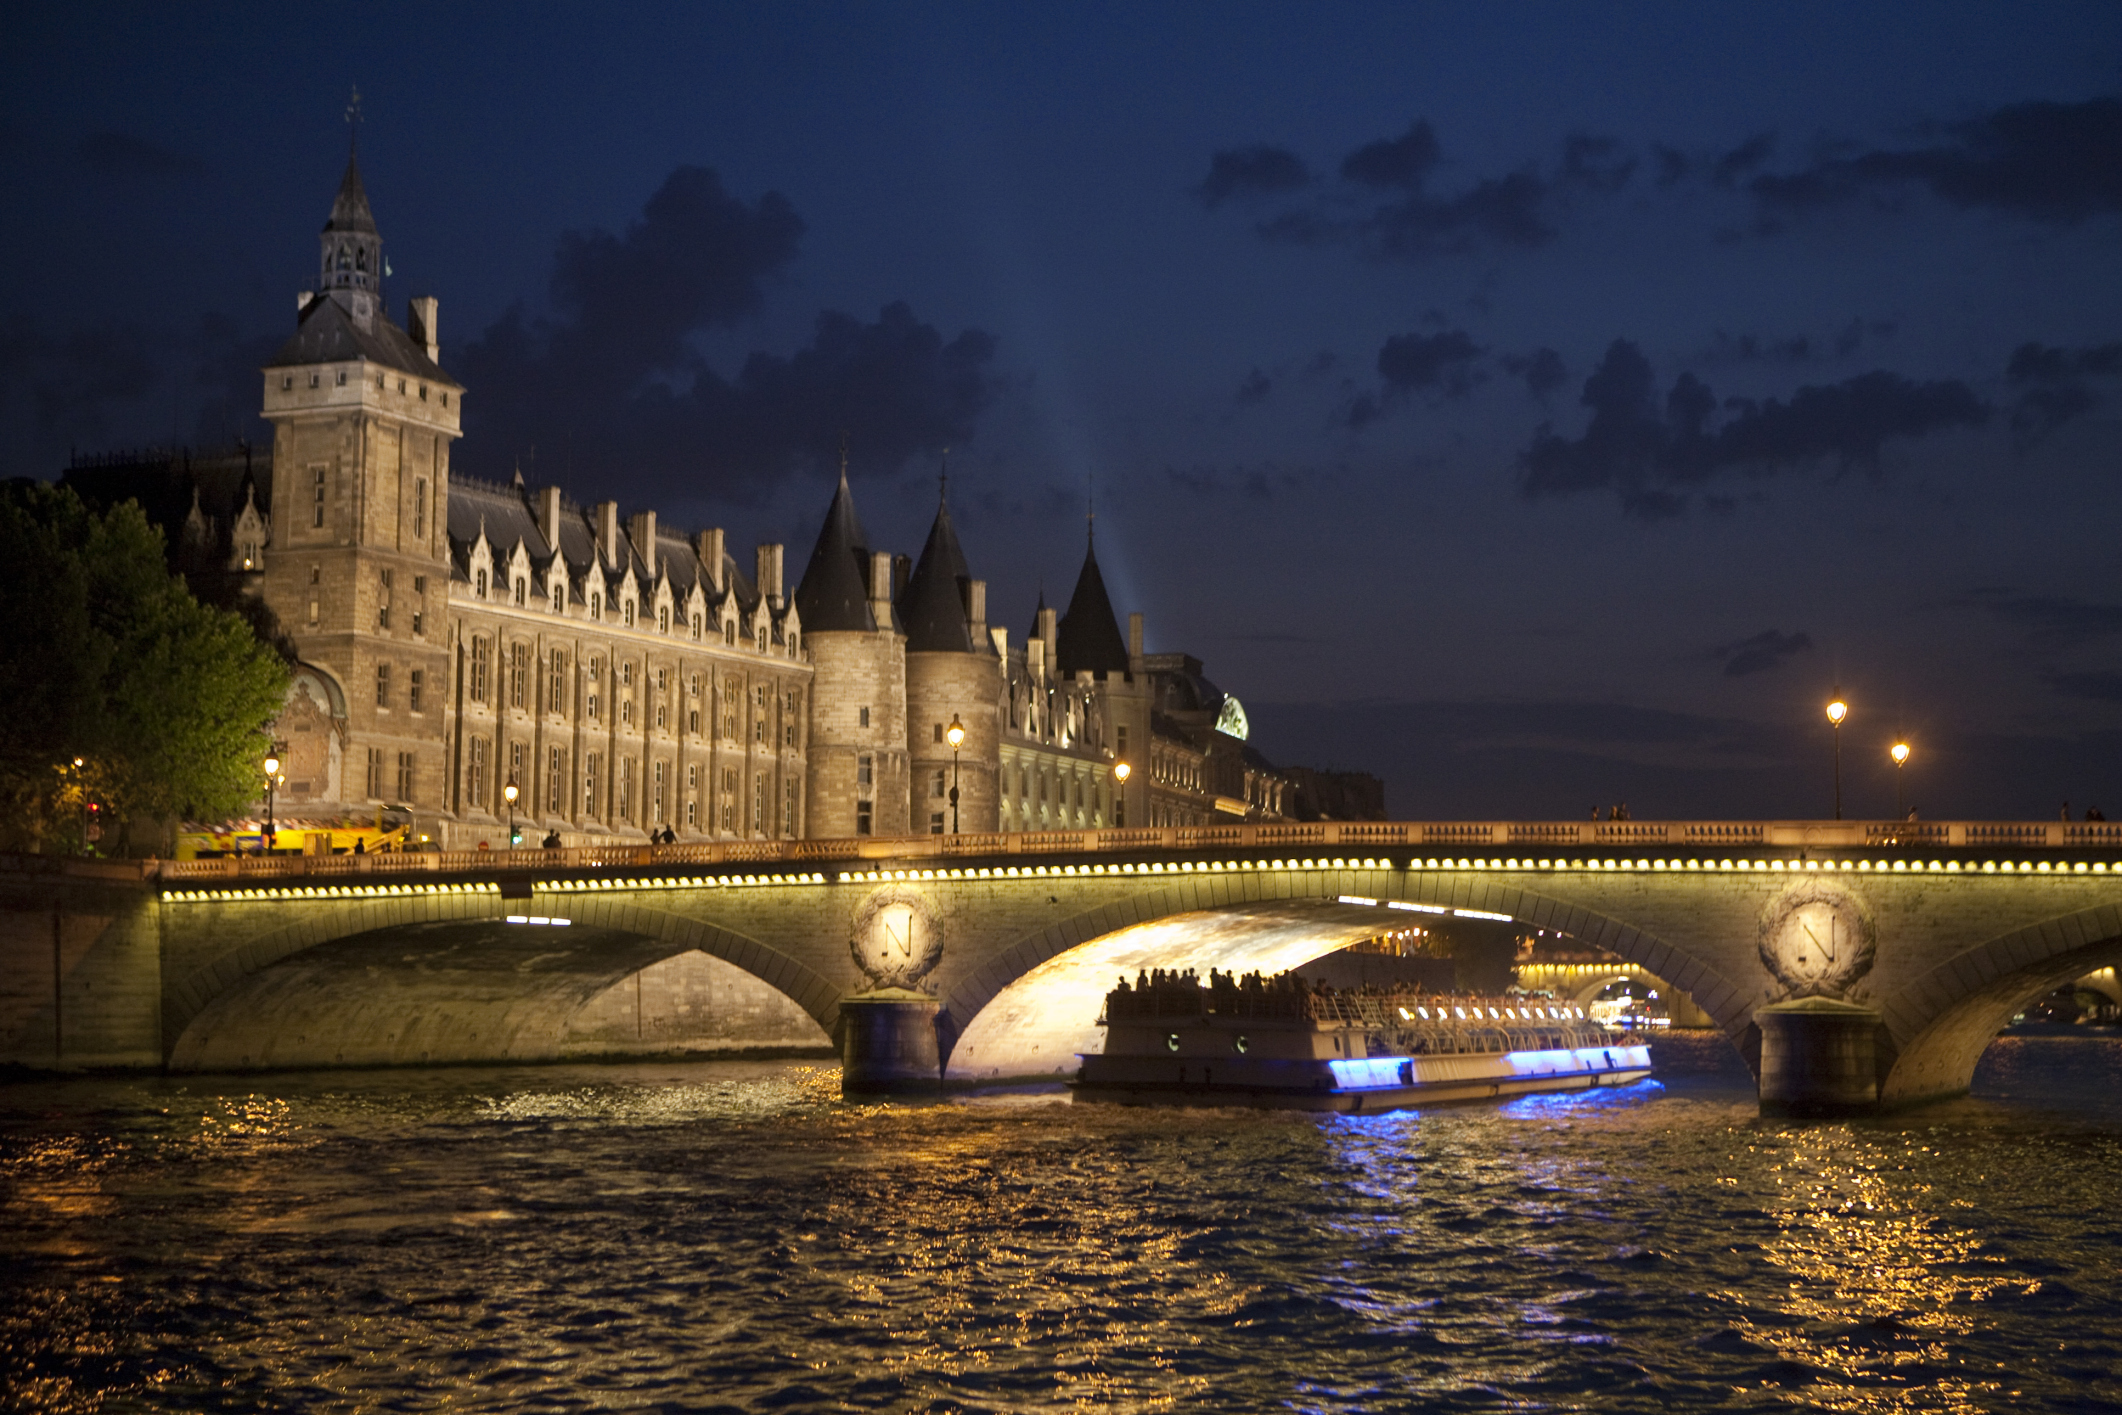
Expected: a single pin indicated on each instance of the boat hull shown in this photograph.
(1354, 1086)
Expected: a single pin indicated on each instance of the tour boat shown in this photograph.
(1281, 1043)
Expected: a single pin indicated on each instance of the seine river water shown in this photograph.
(730, 1236)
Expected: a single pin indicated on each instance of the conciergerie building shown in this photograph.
(628, 677)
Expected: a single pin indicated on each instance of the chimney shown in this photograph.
(902, 571)
(302, 299)
(999, 636)
(420, 323)
(976, 611)
(769, 579)
(880, 588)
(709, 546)
(641, 526)
(1134, 635)
(608, 533)
(1035, 659)
(549, 517)
(1049, 627)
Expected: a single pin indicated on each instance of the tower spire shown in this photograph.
(943, 480)
(353, 123)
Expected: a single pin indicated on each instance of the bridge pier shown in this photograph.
(888, 1043)
(1819, 1058)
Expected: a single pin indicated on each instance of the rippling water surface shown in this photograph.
(730, 1236)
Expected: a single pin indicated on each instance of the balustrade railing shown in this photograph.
(1357, 837)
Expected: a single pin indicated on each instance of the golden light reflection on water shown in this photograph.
(1878, 1283)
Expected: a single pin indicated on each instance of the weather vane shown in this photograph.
(353, 117)
(943, 478)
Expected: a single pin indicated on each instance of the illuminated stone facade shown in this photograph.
(457, 637)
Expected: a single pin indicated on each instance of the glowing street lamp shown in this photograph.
(955, 735)
(509, 794)
(1836, 711)
(272, 778)
(1121, 771)
(1899, 752)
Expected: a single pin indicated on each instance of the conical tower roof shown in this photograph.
(1088, 637)
(834, 594)
(350, 208)
(933, 607)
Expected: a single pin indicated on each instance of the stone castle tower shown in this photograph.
(363, 418)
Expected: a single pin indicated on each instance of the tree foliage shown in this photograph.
(106, 660)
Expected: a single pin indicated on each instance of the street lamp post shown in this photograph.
(1836, 711)
(955, 735)
(272, 777)
(1121, 771)
(1899, 752)
(508, 794)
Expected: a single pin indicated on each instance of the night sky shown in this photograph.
(1540, 407)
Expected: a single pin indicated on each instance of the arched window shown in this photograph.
(346, 261)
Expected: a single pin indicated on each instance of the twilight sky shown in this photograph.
(1537, 406)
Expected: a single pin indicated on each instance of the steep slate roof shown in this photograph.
(834, 594)
(933, 606)
(326, 334)
(1088, 636)
(350, 208)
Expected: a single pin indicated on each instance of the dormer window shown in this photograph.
(479, 584)
(696, 628)
(342, 378)
(423, 393)
(729, 632)
(522, 589)
(559, 600)
(596, 606)
(663, 619)
(629, 612)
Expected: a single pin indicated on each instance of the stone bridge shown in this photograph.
(984, 957)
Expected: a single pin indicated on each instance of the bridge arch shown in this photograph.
(1949, 1016)
(404, 979)
(1077, 954)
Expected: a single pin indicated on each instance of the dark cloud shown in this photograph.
(1254, 389)
(1404, 161)
(2053, 162)
(1765, 650)
(1746, 158)
(612, 379)
(1415, 363)
(1387, 203)
(1542, 370)
(2054, 617)
(1597, 164)
(113, 154)
(1652, 454)
(2095, 686)
(1728, 349)
(1251, 172)
(2057, 385)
